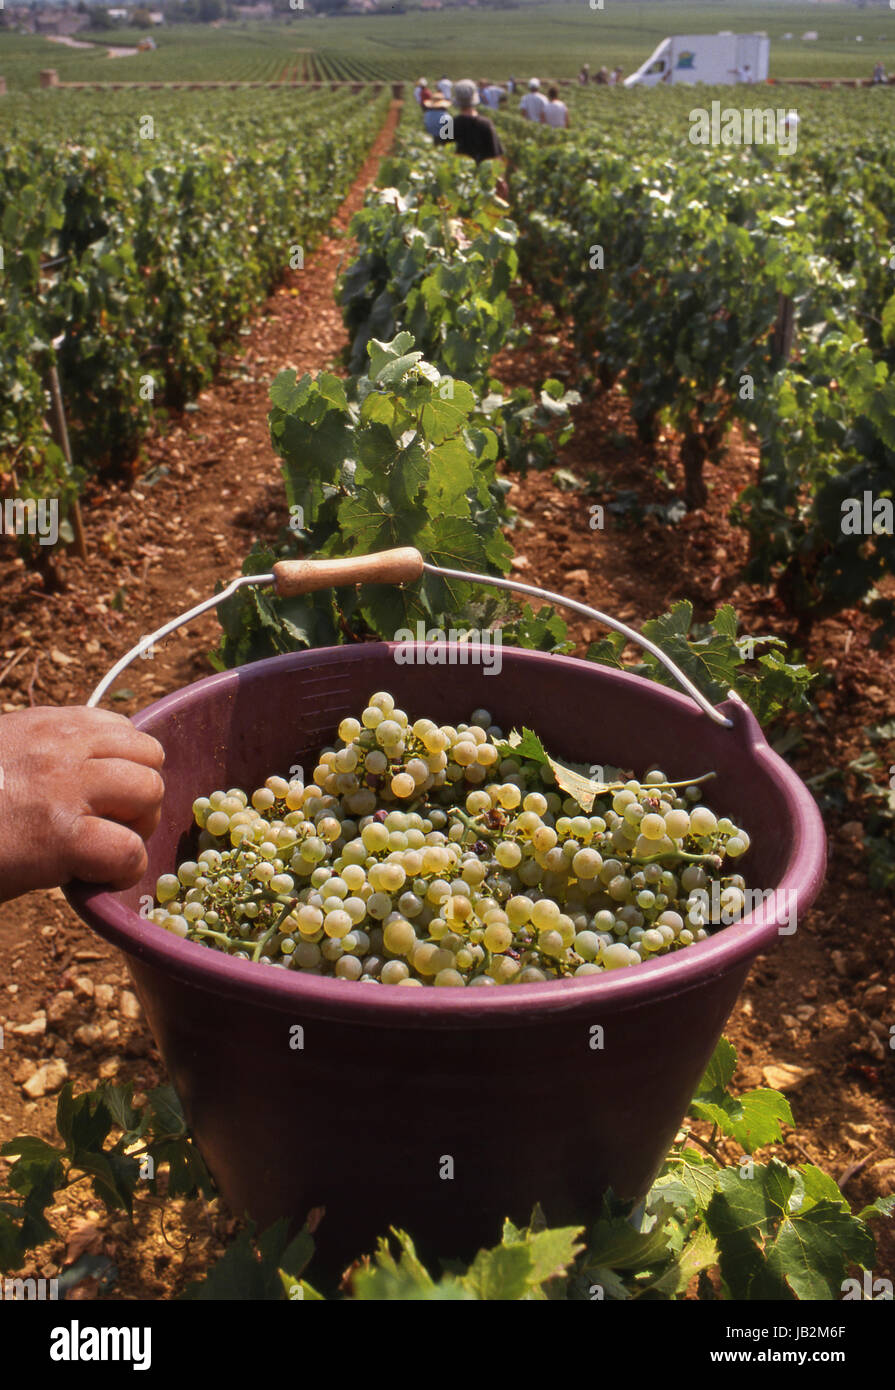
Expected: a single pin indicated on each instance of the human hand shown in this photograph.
(80, 791)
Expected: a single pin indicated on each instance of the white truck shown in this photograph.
(719, 59)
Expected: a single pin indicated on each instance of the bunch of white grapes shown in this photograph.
(420, 854)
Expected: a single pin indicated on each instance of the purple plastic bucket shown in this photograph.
(442, 1111)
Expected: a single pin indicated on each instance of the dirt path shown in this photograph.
(152, 550)
(69, 42)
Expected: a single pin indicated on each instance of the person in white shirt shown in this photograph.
(534, 103)
(420, 88)
(556, 113)
(491, 95)
(446, 87)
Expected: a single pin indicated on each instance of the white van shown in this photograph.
(719, 59)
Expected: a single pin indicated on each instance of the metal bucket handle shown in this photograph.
(398, 566)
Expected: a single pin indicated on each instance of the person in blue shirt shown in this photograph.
(438, 120)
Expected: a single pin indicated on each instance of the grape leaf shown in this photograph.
(691, 1174)
(502, 1273)
(700, 1252)
(553, 1251)
(719, 1072)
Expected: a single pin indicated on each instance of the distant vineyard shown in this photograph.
(267, 55)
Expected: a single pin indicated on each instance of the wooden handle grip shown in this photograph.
(386, 567)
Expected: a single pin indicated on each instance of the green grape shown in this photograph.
(586, 864)
(545, 914)
(167, 888)
(508, 854)
(498, 937)
(419, 897)
(702, 821)
(587, 945)
(551, 943)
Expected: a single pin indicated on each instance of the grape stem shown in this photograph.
(273, 928)
(216, 935)
(473, 826)
(680, 855)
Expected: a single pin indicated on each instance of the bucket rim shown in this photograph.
(732, 947)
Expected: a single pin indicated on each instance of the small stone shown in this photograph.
(46, 1079)
(34, 1029)
(519, 562)
(852, 830)
(805, 1011)
(60, 658)
(809, 992)
(883, 1175)
(60, 1007)
(785, 1077)
(88, 1035)
(129, 1006)
(24, 1071)
(109, 1068)
(578, 577)
(93, 647)
(84, 986)
(746, 1007)
(875, 999)
(875, 1048)
(859, 1129)
(789, 1021)
(111, 1030)
(12, 989)
(839, 963)
(834, 1016)
(104, 996)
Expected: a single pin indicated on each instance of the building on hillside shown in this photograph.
(117, 14)
(263, 10)
(156, 17)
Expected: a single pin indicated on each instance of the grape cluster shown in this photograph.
(425, 854)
